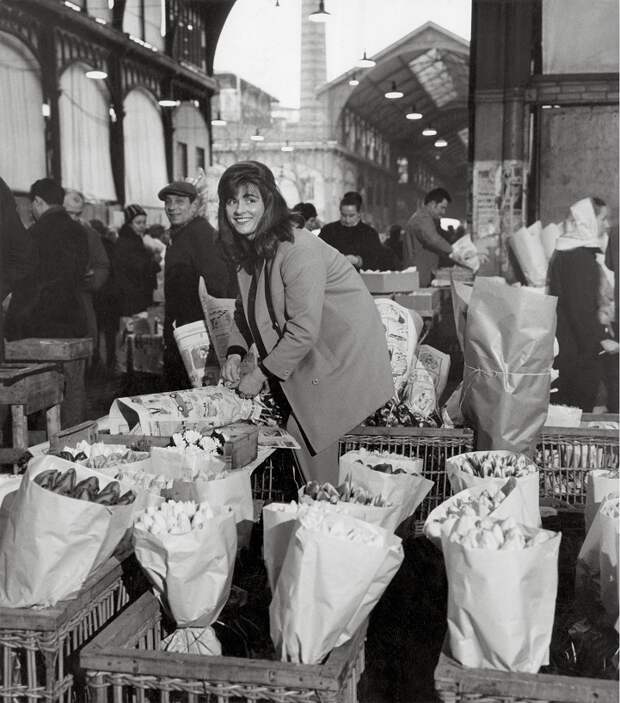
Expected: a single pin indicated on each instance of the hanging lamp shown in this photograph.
(320, 15)
(365, 62)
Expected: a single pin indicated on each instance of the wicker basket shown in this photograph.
(39, 646)
(455, 683)
(124, 664)
(565, 456)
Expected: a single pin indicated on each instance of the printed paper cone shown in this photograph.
(51, 543)
(501, 604)
(599, 485)
(527, 246)
(401, 336)
(193, 343)
(219, 317)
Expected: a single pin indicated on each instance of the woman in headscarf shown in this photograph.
(578, 280)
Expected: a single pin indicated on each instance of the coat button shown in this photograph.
(315, 381)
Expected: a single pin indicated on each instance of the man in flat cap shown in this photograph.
(194, 251)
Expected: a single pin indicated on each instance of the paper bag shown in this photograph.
(599, 484)
(191, 572)
(426, 381)
(233, 490)
(51, 543)
(508, 358)
(527, 246)
(328, 585)
(501, 604)
(279, 524)
(527, 486)
(461, 295)
(512, 506)
(405, 491)
(596, 574)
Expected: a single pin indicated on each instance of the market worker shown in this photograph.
(584, 331)
(319, 336)
(422, 242)
(194, 251)
(47, 301)
(355, 239)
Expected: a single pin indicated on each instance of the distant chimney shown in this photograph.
(313, 65)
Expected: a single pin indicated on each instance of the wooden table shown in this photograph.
(26, 389)
(71, 355)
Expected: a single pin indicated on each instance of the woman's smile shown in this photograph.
(245, 210)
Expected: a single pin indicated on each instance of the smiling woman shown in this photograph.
(319, 336)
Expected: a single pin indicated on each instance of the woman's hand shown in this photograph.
(610, 346)
(231, 370)
(251, 384)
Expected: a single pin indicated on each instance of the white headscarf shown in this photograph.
(581, 228)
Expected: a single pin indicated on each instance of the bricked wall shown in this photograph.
(566, 89)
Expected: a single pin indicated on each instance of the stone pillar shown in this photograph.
(500, 64)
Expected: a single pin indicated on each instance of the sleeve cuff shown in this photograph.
(268, 373)
(236, 350)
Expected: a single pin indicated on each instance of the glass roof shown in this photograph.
(431, 70)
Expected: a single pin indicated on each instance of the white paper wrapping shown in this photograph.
(405, 492)
(233, 491)
(596, 575)
(527, 246)
(599, 485)
(327, 587)
(501, 604)
(548, 237)
(512, 506)
(184, 463)
(528, 486)
(192, 572)
(50, 543)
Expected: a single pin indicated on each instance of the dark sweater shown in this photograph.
(47, 302)
(134, 272)
(361, 240)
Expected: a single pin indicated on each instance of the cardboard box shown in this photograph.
(391, 281)
(425, 301)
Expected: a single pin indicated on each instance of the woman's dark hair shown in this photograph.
(275, 226)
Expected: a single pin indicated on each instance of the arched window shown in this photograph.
(22, 147)
(85, 134)
(191, 141)
(145, 154)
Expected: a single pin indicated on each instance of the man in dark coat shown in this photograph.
(47, 303)
(15, 241)
(194, 251)
(355, 239)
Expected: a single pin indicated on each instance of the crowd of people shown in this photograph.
(69, 277)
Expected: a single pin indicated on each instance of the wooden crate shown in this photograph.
(455, 683)
(123, 663)
(39, 646)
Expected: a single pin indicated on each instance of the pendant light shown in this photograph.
(429, 131)
(287, 147)
(257, 136)
(365, 62)
(96, 74)
(320, 15)
(413, 114)
(441, 142)
(393, 93)
(168, 102)
(218, 121)
(353, 80)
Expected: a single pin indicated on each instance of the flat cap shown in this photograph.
(178, 188)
